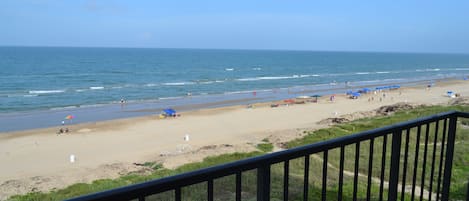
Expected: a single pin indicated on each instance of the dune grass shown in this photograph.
(224, 187)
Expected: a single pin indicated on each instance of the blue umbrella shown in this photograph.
(356, 94)
(365, 90)
(169, 112)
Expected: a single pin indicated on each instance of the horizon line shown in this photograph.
(245, 49)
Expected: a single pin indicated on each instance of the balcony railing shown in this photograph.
(410, 161)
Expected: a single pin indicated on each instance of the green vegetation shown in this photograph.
(225, 187)
(265, 147)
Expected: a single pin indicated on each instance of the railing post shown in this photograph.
(263, 182)
(394, 170)
(449, 157)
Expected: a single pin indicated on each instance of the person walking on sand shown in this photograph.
(63, 122)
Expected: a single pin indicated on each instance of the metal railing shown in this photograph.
(391, 151)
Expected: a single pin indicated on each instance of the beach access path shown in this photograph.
(40, 159)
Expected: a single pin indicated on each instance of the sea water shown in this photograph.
(39, 85)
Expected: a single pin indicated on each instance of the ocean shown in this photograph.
(41, 85)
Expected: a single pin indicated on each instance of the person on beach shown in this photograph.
(122, 103)
(63, 122)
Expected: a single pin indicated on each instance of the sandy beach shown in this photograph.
(39, 160)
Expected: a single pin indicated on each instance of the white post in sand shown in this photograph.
(72, 158)
(186, 137)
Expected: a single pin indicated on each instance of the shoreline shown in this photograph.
(11, 122)
(107, 149)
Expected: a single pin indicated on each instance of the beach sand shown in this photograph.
(39, 160)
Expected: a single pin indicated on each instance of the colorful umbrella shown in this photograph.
(69, 117)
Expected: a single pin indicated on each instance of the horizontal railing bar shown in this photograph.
(461, 114)
(202, 175)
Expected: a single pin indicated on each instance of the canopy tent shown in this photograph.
(364, 90)
(169, 112)
(388, 87)
(356, 94)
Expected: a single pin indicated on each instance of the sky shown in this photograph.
(320, 25)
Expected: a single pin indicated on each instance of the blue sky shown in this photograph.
(367, 25)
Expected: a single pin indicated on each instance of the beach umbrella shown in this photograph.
(169, 112)
(356, 94)
(316, 96)
(366, 90)
(69, 117)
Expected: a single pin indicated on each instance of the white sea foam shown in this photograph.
(276, 78)
(177, 83)
(64, 108)
(30, 95)
(428, 69)
(229, 69)
(151, 85)
(461, 69)
(247, 79)
(46, 91)
(238, 92)
(206, 82)
(362, 73)
(96, 88)
(20, 95)
(256, 68)
(170, 98)
(383, 72)
(394, 79)
(313, 75)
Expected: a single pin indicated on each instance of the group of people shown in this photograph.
(61, 130)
